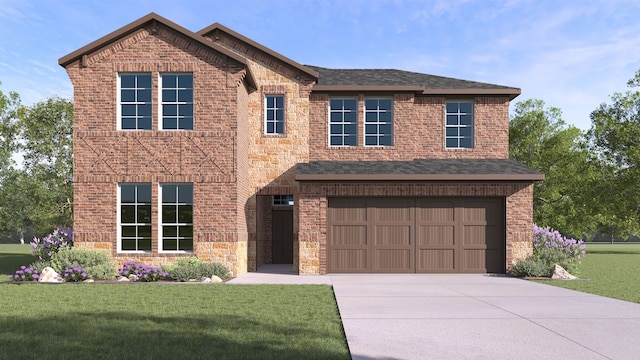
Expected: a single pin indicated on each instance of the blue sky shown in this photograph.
(573, 54)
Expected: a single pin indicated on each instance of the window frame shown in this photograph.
(177, 224)
(177, 103)
(343, 123)
(275, 121)
(282, 200)
(136, 224)
(119, 102)
(458, 125)
(377, 123)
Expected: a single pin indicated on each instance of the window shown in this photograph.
(176, 109)
(274, 114)
(459, 125)
(378, 122)
(134, 101)
(283, 200)
(177, 217)
(343, 122)
(134, 215)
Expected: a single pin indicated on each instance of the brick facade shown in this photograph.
(235, 168)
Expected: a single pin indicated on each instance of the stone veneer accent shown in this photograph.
(312, 207)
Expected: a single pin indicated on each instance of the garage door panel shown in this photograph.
(391, 210)
(348, 260)
(435, 261)
(435, 235)
(392, 260)
(474, 235)
(393, 235)
(348, 210)
(349, 235)
(434, 211)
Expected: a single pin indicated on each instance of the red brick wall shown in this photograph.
(312, 207)
(418, 130)
(104, 157)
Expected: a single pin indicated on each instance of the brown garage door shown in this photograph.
(424, 235)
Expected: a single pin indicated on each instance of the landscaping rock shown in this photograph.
(205, 280)
(49, 275)
(559, 273)
(123, 279)
(133, 277)
(88, 281)
(215, 279)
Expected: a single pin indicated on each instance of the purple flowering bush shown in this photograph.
(25, 274)
(550, 248)
(550, 244)
(45, 248)
(74, 273)
(142, 271)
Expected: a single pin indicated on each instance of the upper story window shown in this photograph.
(134, 217)
(176, 102)
(274, 114)
(378, 122)
(176, 229)
(134, 101)
(343, 122)
(459, 125)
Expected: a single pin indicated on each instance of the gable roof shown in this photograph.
(417, 170)
(400, 80)
(217, 26)
(143, 21)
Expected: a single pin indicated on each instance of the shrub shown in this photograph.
(45, 248)
(142, 271)
(40, 265)
(194, 268)
(74, 273)
(530, 267)
(553, 248)
(25, 274)
(97, 263)
(550, 248)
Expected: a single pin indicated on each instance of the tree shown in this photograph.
(540, 139)
(9, 109)
(614, 140)
(46, 131)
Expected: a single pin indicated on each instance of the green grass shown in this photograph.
(169, 321)
(611, 270)
(12, 256)
(164, 321)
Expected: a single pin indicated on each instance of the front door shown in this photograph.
(282, 237)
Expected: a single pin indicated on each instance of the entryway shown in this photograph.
(282, 236)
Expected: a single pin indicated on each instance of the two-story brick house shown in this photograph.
(209, 144)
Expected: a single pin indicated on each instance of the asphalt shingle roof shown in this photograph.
(426, 169)
(393, 77)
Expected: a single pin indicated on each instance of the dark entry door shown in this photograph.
(282, 237)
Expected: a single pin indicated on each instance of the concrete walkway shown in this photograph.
(472, 317)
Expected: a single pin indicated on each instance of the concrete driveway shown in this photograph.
(473, 317)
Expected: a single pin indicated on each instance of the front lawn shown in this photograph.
(169, 321)
(611, 270)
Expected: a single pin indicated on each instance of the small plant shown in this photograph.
(74, 273)
(530, 268)
(98, 264)
(193, 268)
(45, 248)
(25, 274)
(142, 271)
